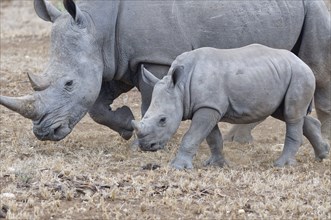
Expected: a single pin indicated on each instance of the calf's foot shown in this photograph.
(216, 161)
(182, 162)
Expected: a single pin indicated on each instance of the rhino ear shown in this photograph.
(178, 75)
(75, 12)
(46, 10)
(148, 77)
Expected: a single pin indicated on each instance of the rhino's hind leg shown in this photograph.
(312, 131)
(293, 141)
(323, 108)
(241, 133)
(215, 142)
(315, 51)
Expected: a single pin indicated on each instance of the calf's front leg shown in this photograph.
(203, 122)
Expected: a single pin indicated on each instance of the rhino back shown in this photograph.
(245, 84)
(158, 31)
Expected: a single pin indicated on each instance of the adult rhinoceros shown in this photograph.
(98, 46)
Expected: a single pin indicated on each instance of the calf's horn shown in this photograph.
(136, 126)
(38, 83)
(25, 106)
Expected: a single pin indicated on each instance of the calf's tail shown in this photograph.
(310, 107)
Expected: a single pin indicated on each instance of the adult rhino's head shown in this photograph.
(72, 79)
(165, 112)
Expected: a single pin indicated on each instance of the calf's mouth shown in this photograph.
(155, 146)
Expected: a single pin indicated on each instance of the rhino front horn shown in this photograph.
(38, 83)
(25, 106)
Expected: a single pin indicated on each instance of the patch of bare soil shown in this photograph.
(93, 173)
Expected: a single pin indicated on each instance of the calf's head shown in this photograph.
(165, 112)
(72, 80)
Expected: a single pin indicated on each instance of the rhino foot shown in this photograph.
(323, 153)
(282, 161)
(181, 163)
(216, 161)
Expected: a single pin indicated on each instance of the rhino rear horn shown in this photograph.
(46, 10)
(148, 77)
(25, 106)
(38, 83)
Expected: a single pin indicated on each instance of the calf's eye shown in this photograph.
(68, 85)
(162, 121)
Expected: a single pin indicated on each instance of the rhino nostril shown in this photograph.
(40, 134)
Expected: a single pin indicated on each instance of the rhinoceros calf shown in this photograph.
(238, 86)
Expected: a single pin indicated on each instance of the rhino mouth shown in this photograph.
(55, 132)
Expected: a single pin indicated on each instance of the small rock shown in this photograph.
(11, 170)
(3, 211)
(241, 211)
(8, 195)
(150, 166)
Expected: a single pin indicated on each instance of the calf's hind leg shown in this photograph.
(312, 131)
(215, 142)
(293, 141)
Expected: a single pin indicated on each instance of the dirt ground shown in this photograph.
(94, 174)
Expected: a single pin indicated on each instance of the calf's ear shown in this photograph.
(46, 10)
(178, 75)
(148, 77)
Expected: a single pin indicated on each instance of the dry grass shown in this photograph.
(95, 174)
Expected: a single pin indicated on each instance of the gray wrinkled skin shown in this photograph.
(238, 86)
(98, 47)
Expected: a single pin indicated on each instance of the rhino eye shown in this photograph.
(163, 121)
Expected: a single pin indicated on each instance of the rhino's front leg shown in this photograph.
(203, 121)
(241, 133)
(215, 142)
(101, 112)
(293, 140)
